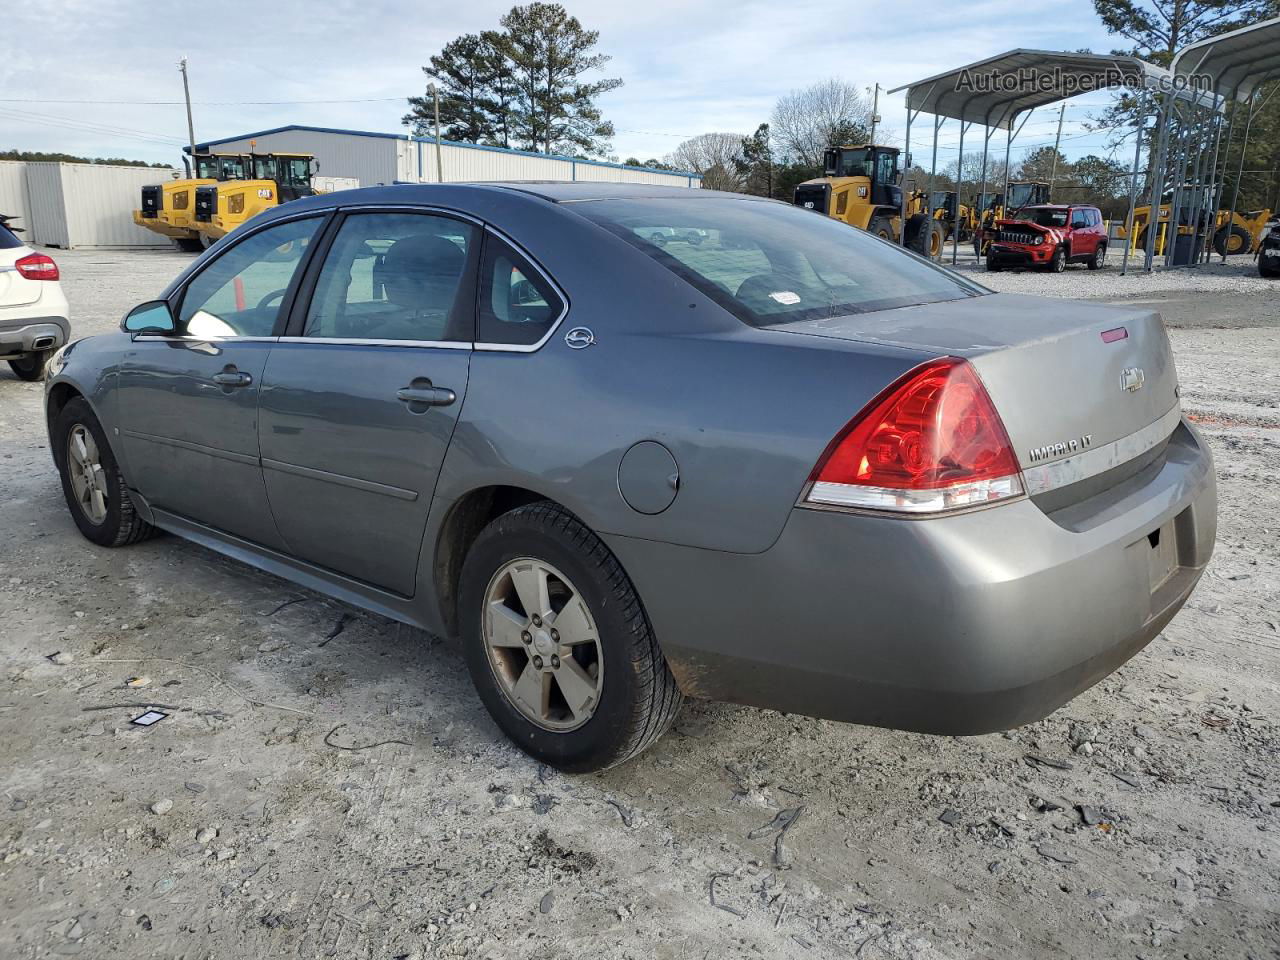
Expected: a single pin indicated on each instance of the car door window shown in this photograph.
(518, 306)
(241, 292)
(395, 276)
(1079, 218)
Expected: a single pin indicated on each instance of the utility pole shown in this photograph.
(435, 98)
(875, 112)
(186, 93)
(1053, 172)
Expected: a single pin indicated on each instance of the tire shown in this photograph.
(1266, 269)
(992, 266)
(1231, 240)
(32, 367)
(1059, 261)
(120, 525)
(636, 699)
(927, 240)
(881, 227)
(1099, 258)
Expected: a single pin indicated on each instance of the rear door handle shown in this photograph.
(232, 378)
(426, 396)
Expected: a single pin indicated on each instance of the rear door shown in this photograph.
(189, 401)
(1082, 239)
(360, 401)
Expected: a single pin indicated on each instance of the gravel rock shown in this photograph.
(162, 806)
(205, 834)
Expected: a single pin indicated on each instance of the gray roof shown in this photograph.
(966, 94)
(1236, 63)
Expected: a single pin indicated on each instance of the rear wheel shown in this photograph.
(881, 227)
(32, 366)
(91, 481)
(1231, 240)
(1099, 258)
(928, 240)
(558, 644)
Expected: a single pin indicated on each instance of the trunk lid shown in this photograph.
(1058, 385)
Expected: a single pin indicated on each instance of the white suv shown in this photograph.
(33, 309)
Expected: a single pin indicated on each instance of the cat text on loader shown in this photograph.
(169, 208)
(276, 178)
(861, 188)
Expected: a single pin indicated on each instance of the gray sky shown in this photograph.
(689, 67)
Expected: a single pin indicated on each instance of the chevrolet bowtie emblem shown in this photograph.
(1131, 379)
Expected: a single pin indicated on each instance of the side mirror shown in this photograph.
(154, 316)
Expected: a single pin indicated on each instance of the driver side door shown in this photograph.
(189, 400)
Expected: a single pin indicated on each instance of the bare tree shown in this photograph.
(717, 156)
(805, 122)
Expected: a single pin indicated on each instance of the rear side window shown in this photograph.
(8, 239)
(772, 263)
(518, 306)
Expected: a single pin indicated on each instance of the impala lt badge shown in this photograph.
(1052, 450)
(1131, 379)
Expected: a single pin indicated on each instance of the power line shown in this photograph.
(201, 103)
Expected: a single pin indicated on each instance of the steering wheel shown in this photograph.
(271, 296)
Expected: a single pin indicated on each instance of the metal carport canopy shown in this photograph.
(1237, 62)
(975, 93)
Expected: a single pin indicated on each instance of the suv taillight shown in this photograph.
(930, 442)
(36, 266)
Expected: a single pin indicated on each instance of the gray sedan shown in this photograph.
(789, 465)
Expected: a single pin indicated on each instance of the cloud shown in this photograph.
(688, 67)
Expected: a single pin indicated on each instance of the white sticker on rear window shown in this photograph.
(785, 296)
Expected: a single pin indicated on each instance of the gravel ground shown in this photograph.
(327, 784)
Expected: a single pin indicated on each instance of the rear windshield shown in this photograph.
(773, 263)
(1048, 218)
(7, 238)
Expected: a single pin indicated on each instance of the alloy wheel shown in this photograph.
(542, 644)
(88, 479)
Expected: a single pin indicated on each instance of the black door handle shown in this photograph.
(426, 396)
(232, 378)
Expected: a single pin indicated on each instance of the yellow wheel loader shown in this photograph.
(860, 187)
(991, 207)
(275, 178)
(1232, 232)
(169, 208)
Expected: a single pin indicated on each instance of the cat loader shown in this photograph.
(860, 187)
(169, 208)
(1232, 232)
(274, 178)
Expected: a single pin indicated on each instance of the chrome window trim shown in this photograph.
(1043, 477)
(179, 338)
(375, 342)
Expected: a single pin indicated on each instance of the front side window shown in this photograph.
(240, 293)
(395, 276)
(772, 263)
(1079, 218)
(517, 306)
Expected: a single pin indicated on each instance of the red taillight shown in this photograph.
(931, 441)
(36, 266)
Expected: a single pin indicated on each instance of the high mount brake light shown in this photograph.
(932, 441)
(37, 266)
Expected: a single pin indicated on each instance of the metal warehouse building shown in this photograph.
(383, 158)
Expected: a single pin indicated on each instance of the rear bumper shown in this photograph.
(964, 624)
(32, 334)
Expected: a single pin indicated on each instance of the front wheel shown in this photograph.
(32, 366)
(1059, 261)
(91, 481)
(558, 644)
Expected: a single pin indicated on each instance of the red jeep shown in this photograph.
(1050, 235)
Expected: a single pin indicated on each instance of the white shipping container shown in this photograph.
(13, 193)
(73, 205)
